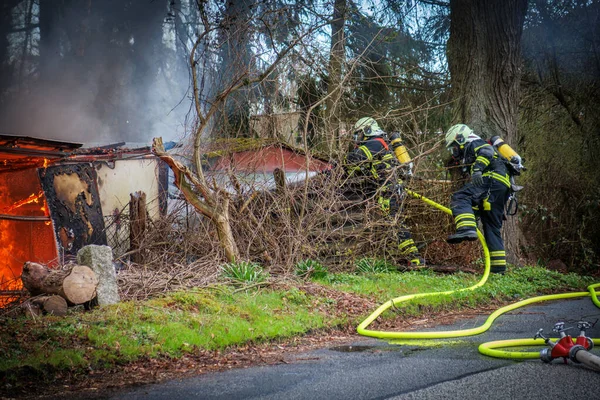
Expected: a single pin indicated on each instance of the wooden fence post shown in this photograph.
(137, 225)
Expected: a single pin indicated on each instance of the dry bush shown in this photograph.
(179, 251)
(326, 218)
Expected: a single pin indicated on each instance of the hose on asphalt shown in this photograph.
(490, 348)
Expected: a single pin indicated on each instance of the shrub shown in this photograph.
(244, 272)
(372, 265)
(310, 269)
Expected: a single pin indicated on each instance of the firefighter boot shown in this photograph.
(417, 261)
(462, 235)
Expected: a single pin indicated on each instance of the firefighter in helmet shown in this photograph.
(373, 159)
(484, 196)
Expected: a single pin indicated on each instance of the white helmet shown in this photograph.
(366, 127)
(458, 134)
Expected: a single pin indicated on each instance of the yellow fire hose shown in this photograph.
(490, 348)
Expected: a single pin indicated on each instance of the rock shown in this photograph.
(100, 260)
(557, 265)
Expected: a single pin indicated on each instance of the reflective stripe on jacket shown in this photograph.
(483, 157)
(372, 155)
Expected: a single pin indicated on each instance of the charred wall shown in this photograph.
(74, 203)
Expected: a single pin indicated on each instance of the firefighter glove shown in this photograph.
(477, 179)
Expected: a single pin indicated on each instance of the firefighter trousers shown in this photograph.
(486, 203)
(391, 203)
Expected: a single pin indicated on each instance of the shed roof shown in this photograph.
(22, 152)
(221, 147)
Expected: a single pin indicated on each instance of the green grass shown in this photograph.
(172, 325)
(517, 284)
(223, 316)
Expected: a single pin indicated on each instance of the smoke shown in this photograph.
(95, 75)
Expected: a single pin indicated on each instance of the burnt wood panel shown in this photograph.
(72, 196)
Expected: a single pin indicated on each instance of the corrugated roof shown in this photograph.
(22, 152)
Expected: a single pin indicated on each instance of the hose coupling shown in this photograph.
(573, 352)
(546, 355)
(566, 347)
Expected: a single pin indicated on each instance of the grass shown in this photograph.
(224, 316)
(516, 285)
(171, 325)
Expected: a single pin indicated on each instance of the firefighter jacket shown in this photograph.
(481, 156)
(372, 158)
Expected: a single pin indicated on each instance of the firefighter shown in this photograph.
(373, 159)
(484, 197)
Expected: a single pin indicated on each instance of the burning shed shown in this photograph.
(56, 197)
(26, 230)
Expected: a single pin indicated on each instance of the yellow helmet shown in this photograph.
(458, 133)
(366, 127)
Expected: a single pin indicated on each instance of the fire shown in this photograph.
(33, 198)
(9, 279)
(21, 240)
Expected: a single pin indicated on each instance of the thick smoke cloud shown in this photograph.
(99, 75)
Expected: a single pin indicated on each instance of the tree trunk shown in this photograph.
(6, 71)
(50, 39)
(76, 284)
(334, 89)
(223, 225)
(484, 57)
(236, 65)
(214, 205)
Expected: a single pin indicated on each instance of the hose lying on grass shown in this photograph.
(490, 348)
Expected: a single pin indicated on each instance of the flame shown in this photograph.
(22, 240)
(9, 275)
(33, 198)
(46, 161)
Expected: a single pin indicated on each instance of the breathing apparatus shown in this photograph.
(514, 160)
(399, 148)
(514, 165)
(400, 151)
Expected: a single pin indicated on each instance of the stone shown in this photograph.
(557, 265)
(100, 260)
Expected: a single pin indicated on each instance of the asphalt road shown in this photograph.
(375, 369)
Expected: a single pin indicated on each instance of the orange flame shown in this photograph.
(33, 198)
(23, 240)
